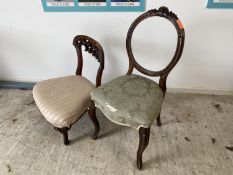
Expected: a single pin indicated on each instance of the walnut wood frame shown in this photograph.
(163, 74)
(144, 133)
(92, 47)
(96, 50)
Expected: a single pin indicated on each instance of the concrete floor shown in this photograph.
(196, 138)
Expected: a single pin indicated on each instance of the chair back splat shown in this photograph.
(165, 13)
(92, 47)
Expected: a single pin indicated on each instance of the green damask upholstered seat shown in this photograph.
(130, 100)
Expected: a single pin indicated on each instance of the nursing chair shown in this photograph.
(133, 100)
(62, 101)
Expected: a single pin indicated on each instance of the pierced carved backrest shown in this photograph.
(92, 47)
(165, 13)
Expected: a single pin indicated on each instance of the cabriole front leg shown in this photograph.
(92, 115)
(64, 132)
(144, 136)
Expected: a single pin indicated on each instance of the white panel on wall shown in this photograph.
(35, 45)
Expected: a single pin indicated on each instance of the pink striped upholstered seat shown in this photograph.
(63, 100)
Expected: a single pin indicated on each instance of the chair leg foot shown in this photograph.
(64, 132)
(144, 137)
(92, 115)
(158, 120)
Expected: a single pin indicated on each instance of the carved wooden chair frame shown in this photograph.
(96, 50)
(144, 133)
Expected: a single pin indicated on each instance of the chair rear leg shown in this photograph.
(144, 137)
(158, 120)
(92, 115)
(64, 132)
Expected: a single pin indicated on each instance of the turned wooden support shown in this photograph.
(158, 120)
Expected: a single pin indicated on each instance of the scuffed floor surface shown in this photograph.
(196, 138)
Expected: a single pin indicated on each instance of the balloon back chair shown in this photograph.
(133, 100)
(62, 101)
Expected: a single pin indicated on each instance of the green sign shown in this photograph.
(227, 4)
(92, 5)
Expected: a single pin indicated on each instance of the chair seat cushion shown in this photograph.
(63, 100)
(130, 100)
